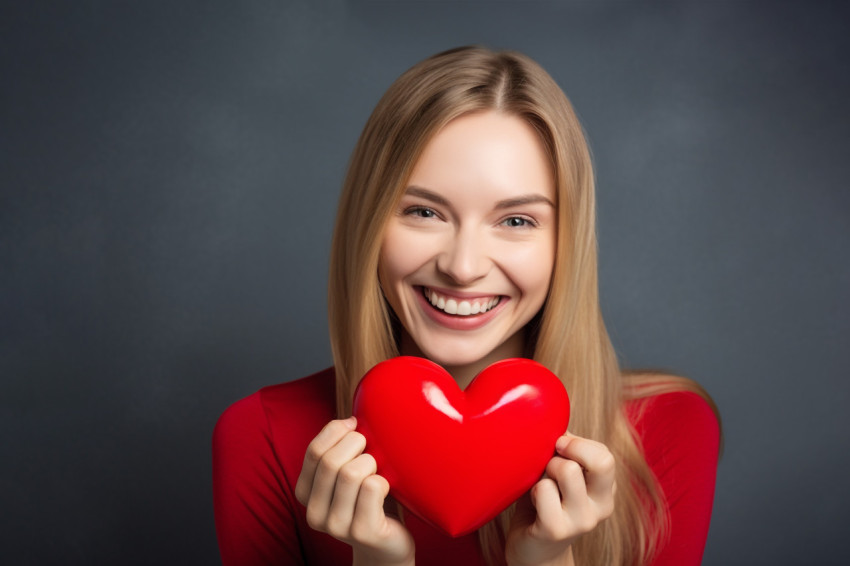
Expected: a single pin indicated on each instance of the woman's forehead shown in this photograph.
(497, 151)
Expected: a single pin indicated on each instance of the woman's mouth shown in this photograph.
(460, 307)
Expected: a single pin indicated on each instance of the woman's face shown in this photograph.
(467, 255)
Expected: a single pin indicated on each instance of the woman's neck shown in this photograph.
(513, 347)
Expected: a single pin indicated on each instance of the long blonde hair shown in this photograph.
(568, 336)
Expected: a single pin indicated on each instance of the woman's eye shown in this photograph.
(518, 222)
(420, 212)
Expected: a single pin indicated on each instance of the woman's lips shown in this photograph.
(491, 303)
(460, 305)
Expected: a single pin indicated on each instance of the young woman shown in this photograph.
(466, 235)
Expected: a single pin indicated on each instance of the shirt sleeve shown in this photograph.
(681, 440)
(254, 518)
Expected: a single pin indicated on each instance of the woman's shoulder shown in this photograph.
(291, 407)
(315, 388)
(669, 410)
(314, 391)
(258, 447)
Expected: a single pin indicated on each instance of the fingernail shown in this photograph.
(561, 443)
(351, 422)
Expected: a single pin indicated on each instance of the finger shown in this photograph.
(369, 517)
(571, 483)
(546, 498)
(324, 482)
(596, 460)
(331, 434)
(346, 491)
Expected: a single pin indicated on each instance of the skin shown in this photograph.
(477, 220)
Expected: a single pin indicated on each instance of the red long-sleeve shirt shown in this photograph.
(260, 441)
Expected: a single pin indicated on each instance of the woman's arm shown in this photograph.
(254, 518)
(681, 439)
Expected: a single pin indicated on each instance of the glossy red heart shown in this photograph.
(458, 458)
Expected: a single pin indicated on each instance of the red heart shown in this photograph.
(459, 458)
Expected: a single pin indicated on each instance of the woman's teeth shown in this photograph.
(462, 308)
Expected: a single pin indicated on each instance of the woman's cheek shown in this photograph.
(403, 254)
(529, 265)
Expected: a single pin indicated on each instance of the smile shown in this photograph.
(458, 306)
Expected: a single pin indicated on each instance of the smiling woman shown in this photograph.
(466, 262)
(466, 235)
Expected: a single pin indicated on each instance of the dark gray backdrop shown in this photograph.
(169, 172)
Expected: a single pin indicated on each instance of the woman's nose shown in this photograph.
(464, 259)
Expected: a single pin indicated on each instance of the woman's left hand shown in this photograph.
(574, 496)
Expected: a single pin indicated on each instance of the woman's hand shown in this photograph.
(345, 497)
(574, 496)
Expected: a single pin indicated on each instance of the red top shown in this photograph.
(260, 441)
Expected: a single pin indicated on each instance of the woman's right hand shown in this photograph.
(344, 497)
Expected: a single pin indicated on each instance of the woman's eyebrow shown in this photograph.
(415, 191)
(420, 192)
(523, 200)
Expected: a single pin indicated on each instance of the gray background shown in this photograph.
(169, 173)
